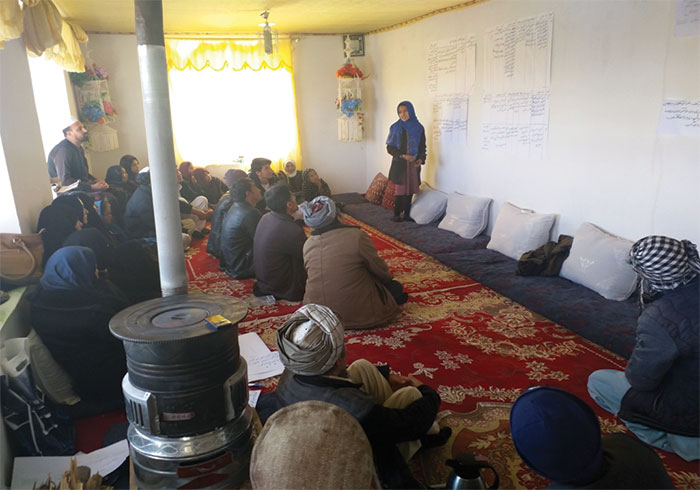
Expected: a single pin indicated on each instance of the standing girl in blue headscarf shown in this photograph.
(406, 144)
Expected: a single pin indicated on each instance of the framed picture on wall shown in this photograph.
(356, 42)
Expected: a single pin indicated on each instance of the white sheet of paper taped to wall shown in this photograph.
(680, 117)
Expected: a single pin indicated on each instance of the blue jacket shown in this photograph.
(664, 371)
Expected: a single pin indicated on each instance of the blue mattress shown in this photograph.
(610, 324)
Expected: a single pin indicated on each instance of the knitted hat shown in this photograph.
(312, 444)
(557, 435)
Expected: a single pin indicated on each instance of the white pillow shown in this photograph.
(429, 205)
(517, 231)
(466, 215)
(598, 260)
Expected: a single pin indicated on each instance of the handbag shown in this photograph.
(21, 257)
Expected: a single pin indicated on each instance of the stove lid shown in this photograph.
(175, 318)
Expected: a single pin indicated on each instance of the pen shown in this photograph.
(256, 385)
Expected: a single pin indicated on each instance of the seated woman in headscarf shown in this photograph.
(119, 188)
(212, 187)
(344, 271)
(106, 211)
(189, 187)
(293, 178)
(70, 312)
(56, 223)
(93, 219)
(131, 165)
(314, 186)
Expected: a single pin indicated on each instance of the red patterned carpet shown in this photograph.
(478, 349)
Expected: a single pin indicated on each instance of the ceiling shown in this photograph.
(221, 17)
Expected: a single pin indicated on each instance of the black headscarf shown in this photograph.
(56, 223)
(72, 201)
(310, 189)
(114, 175)
(94, 240)
(135, 271)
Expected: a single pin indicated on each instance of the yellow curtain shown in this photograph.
(230, 102)
(67, 53)
(187, 54)
(11, 20)
(45, 32)
(42, 26)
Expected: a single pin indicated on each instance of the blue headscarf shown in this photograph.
(414, 130)
(70, 268)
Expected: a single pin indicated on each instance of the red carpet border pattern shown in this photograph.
(478, 349)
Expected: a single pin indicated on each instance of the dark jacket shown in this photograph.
(237, 234)
(384, 426)
(664, 371)
(547, 259)
(397, 171)
(68, 163)
(279, 258)
(138, 217)
(217, 218)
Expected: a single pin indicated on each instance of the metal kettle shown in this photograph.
(466, 472)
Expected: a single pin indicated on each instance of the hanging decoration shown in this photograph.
(95, 107)
(349, 101)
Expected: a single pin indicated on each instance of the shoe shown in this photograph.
(436, 440)
(197, 234)
(205, 231)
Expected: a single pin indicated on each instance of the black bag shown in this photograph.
(32, 425)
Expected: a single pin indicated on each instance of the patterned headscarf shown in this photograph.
(664, 263)
(319, 213)
(311, 340)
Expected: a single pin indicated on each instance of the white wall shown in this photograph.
(613, 63)
(117, 54)
(341, 165)
(25, 178)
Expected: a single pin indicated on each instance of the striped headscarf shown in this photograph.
(311, 340)
(664, 263)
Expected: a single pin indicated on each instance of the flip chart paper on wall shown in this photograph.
(516, 123)
(518, 56)
(450, 119)
(680, 117)
(687, 17)
(452, 65)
